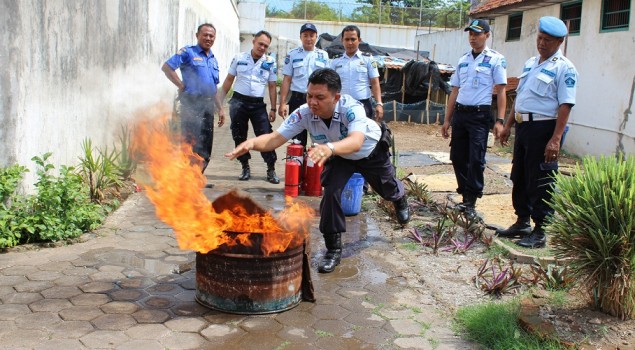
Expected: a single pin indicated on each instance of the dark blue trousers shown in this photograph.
(378, 172)
(532, 177)
(467, 150)
(298, 99)
(241, 113)
(197, 124)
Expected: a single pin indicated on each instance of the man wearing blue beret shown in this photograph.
(545, 95)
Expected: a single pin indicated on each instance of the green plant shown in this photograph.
(495, 280)
(60, 209)
(124, 162)
(494, 326)
(551, 276)
(594, 229)
(10, 178)
(99, 171)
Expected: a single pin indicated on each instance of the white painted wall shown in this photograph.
(76, 70)
(602, 120)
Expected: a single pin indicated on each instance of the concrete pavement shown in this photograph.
(129, 286)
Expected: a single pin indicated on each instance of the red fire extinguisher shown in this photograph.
(312, 183)
(293, 168)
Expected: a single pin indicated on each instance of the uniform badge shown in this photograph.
(374, 64)
(570, 82)
(287, 60)
(350, 115)
(343, 131)
(503, 63)
(554, 59)
(181, 51)
(197, 59)
(294, 118)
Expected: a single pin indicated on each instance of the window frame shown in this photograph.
(509, 28)
(603, 14)
(566, 6)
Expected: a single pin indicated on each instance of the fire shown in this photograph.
(174, 185)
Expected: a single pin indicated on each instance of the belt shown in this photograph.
(245, 98)
(296, 94)
(198, 97)
(531, 117)
(465, 108)
(366, 100)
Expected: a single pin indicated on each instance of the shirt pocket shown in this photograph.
(484, 75)
(243, 68)
(298, 69)
(320, 64)
(542, 84)
(463, 75)
(362, 71)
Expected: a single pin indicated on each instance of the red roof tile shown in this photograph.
(487, 5)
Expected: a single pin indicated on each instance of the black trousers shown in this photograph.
(298, 99)
(467, 150)
(532, 177)
(241, 113)
(368, 108)
(197, 124)
(376, 169)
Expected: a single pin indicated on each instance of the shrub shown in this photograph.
(61, 209)
(10, 178)
(100, 170)
(593, 227)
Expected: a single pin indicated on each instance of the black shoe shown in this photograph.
(272, 177)
(537, 239)
(333, 254)
(521, 228)
(402, 210)
(246, 174)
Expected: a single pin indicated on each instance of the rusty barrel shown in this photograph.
(248, 283)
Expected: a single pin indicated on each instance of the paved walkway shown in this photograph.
(129, 286)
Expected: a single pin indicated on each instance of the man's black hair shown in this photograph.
(351, 28)
(205, 25)
(328, 77)
(263, 32)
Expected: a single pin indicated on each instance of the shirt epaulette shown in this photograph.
(337, 56)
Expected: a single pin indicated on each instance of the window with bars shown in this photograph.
(615, 14)
(514, 25)
(572, 12)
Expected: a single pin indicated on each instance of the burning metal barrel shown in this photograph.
(240, 282)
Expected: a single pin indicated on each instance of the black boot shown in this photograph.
(271, 174)
(521, 228)
(333, 254)
(246, 174)
(469, 206)
(402, 210)
(537, 238)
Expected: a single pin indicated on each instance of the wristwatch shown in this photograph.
(379, 104)
(331, 147)
(273, 109)
(501, 120)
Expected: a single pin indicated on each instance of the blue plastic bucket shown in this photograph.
(352, 195)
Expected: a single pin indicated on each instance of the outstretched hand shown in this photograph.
(240, 150)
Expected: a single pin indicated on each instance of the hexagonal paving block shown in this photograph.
(183, 341)
(190, 309)
(329, 312)
(19, 270)
(296, 319)
(159, 302)
(164, 288)
(114, 322)
(23, 338)
(55, 344)
(50, 305)
(148, 331)
(128, 294)
(61, 292)
(20, 298)
(189, 284)
(4, 290)
(372, 335)
(138, 344)
(297, 334)
(55, 266)
(97, 287)
(90, 299)
(80, 313)
(79, 271)
(186, 324)
(260, 323)
(14, 280)
(71, 280)
(71, 329)
(135, 282)
(151, 316)
(260, 340)
(120, 307)
(365, 319)
(222, 333)
(332, 327)
(37, 320)
(104, 339)
(33, 286)
(186, 295)
(107, 276)
(44, 276)
(407, 327)
(340, 343)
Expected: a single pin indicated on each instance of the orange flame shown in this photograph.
(176, 187)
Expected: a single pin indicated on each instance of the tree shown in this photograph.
(310, 10)
(437, 13)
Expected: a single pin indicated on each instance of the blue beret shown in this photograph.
(553, 26)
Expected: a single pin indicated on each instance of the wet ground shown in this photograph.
(129, 286)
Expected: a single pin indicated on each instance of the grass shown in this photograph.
(494, 326)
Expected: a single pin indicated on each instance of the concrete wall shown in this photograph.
(79, 69)
(602, 121)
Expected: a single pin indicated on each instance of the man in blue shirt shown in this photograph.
(345, 141)
(480, 71)
(198, 91)
(545, 95)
